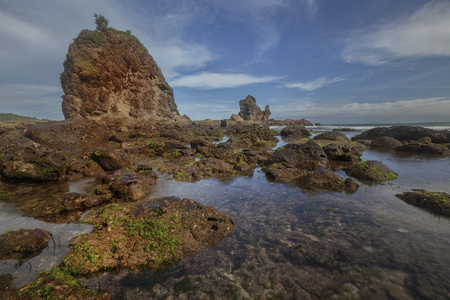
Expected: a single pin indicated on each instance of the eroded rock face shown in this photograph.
(250, 111)
(110, 74)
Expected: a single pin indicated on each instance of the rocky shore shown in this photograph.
(123, 128)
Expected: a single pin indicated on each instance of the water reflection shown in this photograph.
(291, 244)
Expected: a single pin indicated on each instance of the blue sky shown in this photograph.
(348, 61)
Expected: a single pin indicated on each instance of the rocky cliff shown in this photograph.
(250, 111)
(110, 74)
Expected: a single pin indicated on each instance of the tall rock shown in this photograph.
(110, 74)
(250, 111)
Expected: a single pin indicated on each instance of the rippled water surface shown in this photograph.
(292, 244)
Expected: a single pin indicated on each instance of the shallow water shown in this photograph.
(368, 245)
(290, 244)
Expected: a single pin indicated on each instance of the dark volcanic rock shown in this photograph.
(57, 208)
(126, 185)
(371, 171)
(23, 243)
(250, 111)
(385, 142)
(69, 135)
(34, 163)
(297, 131)
(424, 148)
(342, 152)
(111, 159)
(404, 133)
(332, 136)
(151, 234)
(110, 74)
(437, 202)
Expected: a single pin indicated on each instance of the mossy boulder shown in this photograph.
(150, 235)
(438, 202)
(324, 180)
(372, 171)
(385, 142)
(332, 136)
(23, 244)
(295, 131)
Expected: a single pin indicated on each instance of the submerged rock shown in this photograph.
(23, 243)
(151, 235)
(324, 180)
(437, 202)
(372, 171)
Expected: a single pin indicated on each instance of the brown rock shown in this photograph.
(249, 111)
(23, 243)
(110, 75)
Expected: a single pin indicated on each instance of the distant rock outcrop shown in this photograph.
(110, 74)
(250, 111)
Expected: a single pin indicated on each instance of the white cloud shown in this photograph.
(313, 84)
(208, 80)
(414, 110)
(425, 33)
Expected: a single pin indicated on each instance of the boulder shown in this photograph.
(59, 207)
(152, 234)
(324, 180)
(111, 159)
(125, 185)
(297, 131)
(385, 142)
(332, 136)
(405, 133)
(437, 202)
(23, 243)
(110, 75)
(69, 135)
(372, 171)
(342, 152)
(424, 148)
(303, 122)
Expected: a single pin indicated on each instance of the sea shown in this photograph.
(288, 243)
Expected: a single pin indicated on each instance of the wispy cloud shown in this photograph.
(312, 85)
(425, 33)
(208, 80)
(412, 110)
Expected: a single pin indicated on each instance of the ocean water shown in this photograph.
(292, 244)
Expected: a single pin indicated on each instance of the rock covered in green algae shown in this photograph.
(372, 171)
(23, 243)
(437, 202)
(146, 235)
(324, 180)
(297, 131)
(56, 284)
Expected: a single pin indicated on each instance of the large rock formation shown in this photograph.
(110, 74)
(249, 111)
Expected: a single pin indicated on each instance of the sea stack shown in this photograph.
(109, 74)
(250, 111)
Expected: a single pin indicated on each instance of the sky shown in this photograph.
(329, 61)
